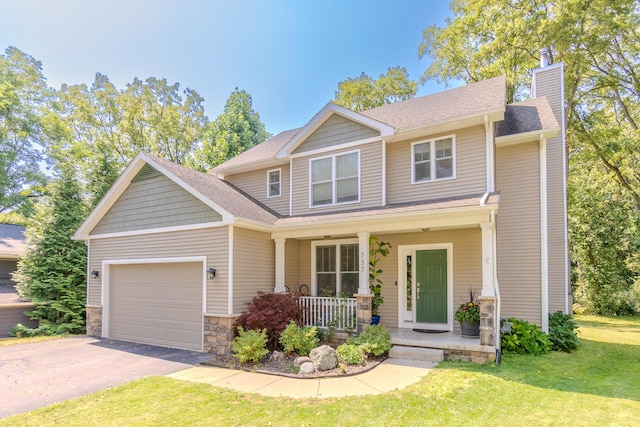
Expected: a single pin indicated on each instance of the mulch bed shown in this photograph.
(286, 368)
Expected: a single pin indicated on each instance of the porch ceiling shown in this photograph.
(462, 212)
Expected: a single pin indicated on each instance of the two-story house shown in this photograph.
(468, 190)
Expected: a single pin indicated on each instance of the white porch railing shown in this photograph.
(325, 312)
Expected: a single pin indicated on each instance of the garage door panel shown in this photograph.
(157, 304)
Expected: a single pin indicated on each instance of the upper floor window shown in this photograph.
(335, 179)
(433, 160)
(273, 183)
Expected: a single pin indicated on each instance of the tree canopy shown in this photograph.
(237, 129)
(599, 42)
(363, 92)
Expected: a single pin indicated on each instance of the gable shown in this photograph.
(336, 130)
(154, 201)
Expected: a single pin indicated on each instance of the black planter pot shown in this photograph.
(470, 329)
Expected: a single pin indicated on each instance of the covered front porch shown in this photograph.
(464, 236)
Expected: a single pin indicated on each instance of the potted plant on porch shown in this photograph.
(377, 249)
(468, 314)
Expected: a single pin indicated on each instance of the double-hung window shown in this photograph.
(335, 179)
(273, 183)
(433, 160)
(336, 268)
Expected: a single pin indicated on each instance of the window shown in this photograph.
(433, 160)
(273, 183)
(336, 269)
(335, 179)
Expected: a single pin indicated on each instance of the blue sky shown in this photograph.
(289, 55)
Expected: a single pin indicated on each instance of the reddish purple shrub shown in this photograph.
(271, 312)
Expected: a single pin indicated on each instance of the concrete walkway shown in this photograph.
(389, 375)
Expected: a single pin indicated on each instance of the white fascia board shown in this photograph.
(159, 230)
(521, 138)
(252, 225)
(249, 166)
(397, 222)
(475, 119)
(322, 116)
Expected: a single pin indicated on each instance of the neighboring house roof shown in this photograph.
(13, 243)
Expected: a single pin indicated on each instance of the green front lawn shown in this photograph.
(599, 384)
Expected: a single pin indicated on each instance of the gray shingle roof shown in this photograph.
(475, 98)
(527, 116)
(13, 244)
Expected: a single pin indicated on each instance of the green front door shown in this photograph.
(431, 286)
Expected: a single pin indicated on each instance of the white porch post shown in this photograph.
(363, 249)
(488, 285)
(279, 288)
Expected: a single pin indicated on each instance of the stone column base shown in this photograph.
(487, 320)
(363, 311)
(218, 333)
(94, 320)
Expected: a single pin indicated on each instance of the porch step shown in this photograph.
(416, 353)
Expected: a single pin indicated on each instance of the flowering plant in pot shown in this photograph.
(468, 314)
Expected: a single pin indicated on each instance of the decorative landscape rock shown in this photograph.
(324, 358)
(276, 356)
(298, 361)
(307, 368)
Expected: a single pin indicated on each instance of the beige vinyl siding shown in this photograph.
(211, 242)
(12, 314)
(304, 263)
(518, 231)
(253, 266)
(548, 83)
(154, 203)
(291, 261)
(467, 266)
(254, 183)
(370, 181)
(336, 130)
(470, 169)
(7, 267)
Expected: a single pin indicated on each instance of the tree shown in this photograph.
(23, 97)
(363, 92)
(599, 43)
(236, 130)
(53, 272)
(101, 129)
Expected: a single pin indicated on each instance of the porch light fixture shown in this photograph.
(95, 274)
(211, 273)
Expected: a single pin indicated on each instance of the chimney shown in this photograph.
(544, 57)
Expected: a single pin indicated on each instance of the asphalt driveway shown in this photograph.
(38, 374)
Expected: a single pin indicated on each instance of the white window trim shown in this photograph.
(336, 243)
(432, 159)
(333, 180)
(279, 170)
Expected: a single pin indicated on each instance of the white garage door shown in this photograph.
(158, 304)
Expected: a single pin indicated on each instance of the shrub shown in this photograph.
(350, 354)
(271, 312)
(562, 332)
(299, 340)
(249, 346)
(374, 340)
(524, 338)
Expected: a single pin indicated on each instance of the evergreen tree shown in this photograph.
(53, 272)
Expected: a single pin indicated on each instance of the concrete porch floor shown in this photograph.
(450, 342)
